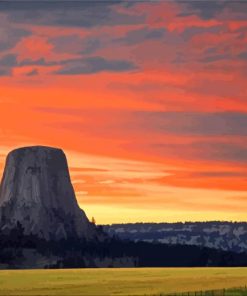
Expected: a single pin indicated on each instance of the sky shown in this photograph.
(147, 99)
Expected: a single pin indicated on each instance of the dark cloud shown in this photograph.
(93, 65)
(207, 9)
(141, 35)
(52, 5)
(69, 13)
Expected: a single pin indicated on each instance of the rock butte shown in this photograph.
(36, 192)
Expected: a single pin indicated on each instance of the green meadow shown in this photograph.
(114, 281)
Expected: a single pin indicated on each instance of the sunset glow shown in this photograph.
(147, 100)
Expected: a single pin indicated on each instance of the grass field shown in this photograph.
(141, 281)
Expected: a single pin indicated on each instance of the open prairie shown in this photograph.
(141, 281)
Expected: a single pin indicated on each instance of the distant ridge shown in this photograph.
(222, 235)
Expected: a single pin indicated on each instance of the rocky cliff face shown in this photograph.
(37, 193)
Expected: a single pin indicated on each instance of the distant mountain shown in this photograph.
(227, 236)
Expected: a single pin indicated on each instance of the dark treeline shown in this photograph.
(72, 252)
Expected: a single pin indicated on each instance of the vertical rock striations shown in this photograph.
(37, 193)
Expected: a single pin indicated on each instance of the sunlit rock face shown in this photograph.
(36, 193)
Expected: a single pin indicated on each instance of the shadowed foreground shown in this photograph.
(142, 281)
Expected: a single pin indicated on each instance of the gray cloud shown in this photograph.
(188, 33)
(75, 44)
(228, 55)
(206, 9)
(38, 62)
(7, 62)
(215, 58)
(222, 151)
(10, 36)
(93, 65)
(212, 9)
(5, 71)
(141, 35)
(195, 123)
(69, 13)
(243, 55)
(209, 150)
(74, 66)
(231, 152)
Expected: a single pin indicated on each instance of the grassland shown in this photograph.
(142, 281)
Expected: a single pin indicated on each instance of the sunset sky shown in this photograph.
(147, 99)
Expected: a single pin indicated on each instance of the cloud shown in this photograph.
(230, 151)
(75, 44)
(37, 62)
(216, 174)
(215, 54)
(190, 32)
(5, 71)
(243, 55)
(203, 124)
(74, 66)
(34, 72)
(213, 9)
(206, 9)
(70, 13)
(10, 36)
(210, 150)
(215, 58)
(93, 65)
(141, 35)
(195, 123)
(7, 62)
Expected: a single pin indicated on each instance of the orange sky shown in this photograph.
(148, 101)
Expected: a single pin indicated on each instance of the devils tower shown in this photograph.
(36, 193)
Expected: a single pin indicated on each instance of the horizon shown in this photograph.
(146, 99)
